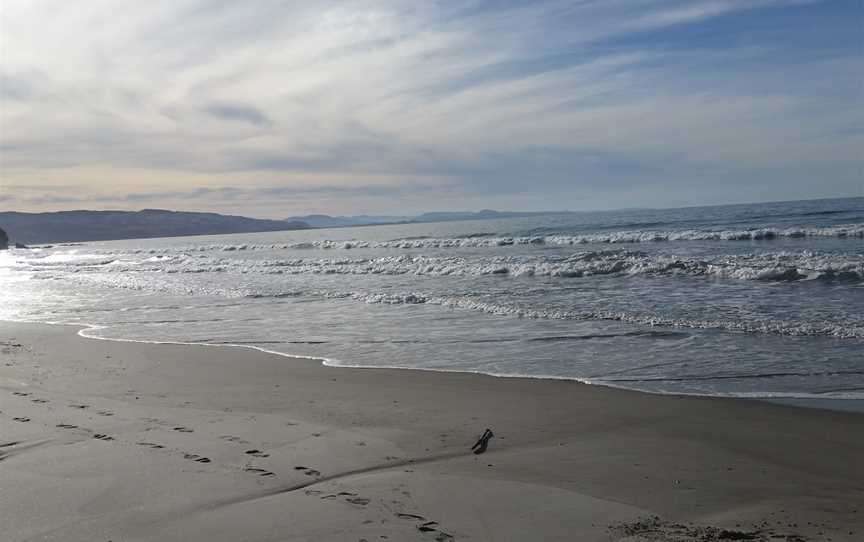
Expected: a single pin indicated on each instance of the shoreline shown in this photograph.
(809, 401)
(224, 444)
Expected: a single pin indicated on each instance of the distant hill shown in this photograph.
(75, 226)
(72, 226)
(4, 240)
(326, 221)
(479, 215)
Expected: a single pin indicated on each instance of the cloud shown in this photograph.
(171, 102)
(241, 113)
(699, 10)
(16, 87)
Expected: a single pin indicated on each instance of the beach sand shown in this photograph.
(118, 441)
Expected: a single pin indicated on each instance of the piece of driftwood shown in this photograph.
(483, 442)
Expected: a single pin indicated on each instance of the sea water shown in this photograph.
(761, 300)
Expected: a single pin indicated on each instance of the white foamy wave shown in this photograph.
(72, 264)
(777, 266)
(249, 247)
(852, 231)
(760, 234)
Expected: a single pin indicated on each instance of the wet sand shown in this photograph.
(104, 440)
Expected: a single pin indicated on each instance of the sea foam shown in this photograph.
(770, 266)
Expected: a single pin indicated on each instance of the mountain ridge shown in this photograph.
(327, 221)
(85, 225)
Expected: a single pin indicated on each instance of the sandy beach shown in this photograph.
(117, 441)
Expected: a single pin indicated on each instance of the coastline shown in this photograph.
(812, 401)
(346, 454)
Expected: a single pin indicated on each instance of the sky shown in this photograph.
(279, 108)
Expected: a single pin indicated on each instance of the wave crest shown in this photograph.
(845, 231)
(777, 266)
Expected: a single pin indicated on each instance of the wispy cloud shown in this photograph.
(124, 102)
(240, 113)
(700, 10)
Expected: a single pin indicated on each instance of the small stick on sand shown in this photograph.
(483, 442)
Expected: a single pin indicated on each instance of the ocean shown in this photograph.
(759, 300)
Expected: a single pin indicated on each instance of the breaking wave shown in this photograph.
(783, 266)
(481, 240)
(636, 236)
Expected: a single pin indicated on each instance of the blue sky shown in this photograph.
(273, 108)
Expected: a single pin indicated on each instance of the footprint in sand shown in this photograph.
(307, 471)
(66, 426)
(105, 413)
(196, 457)
(79, 407)
(20, 393)
(259, 472)
(150, 445)
(352, 497)
(100, 436)
(231, 438)
(256, 453)
(39, 400)
(21, 419)
(428, 527)
(183, 429)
